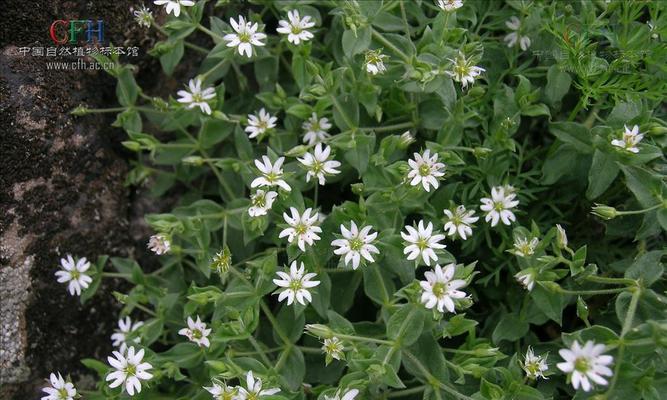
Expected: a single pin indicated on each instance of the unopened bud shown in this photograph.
(193, 160)
(80, 110)
(561, 237)
(132, 145)
(406, 140)
(297, 151)
(604, 211)
(319, 330)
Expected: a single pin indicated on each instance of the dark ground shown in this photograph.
(61, 191)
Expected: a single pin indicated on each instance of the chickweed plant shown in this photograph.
(449, 199)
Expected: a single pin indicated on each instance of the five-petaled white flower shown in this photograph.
(143, 16)
(450, 5)
(463, 71)
(585, 364)
(422, 242)
(245, 37)
(74, 274)
(272, 174)
(301, 228)
(333, 349)
(523, 247)
(459, 221)
(296, 28)
(515, 36)
(295, 284)
(425, 170)
(316, 129)
(318, 164)
(159, 244)
(253, 389)
(374, 62)
(630, 139)
(261, 202)
(526, 278)
(260, 123)
(440, 288)
(534, 365)
(356, 244)
(197, 97)
(196, 332)
(125, 327)
(220, 391)
(174, 5)
(129, 370)
(59, 389)
(499, 206)
(348, 395)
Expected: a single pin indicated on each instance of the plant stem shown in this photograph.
(627, 324)
(353, 338)
(115, 275)
(407, 392)
(342, 112)
(215, 36)
(593, 292)
(275, 323)
(390, 45)
(432, 380)
(402, 125)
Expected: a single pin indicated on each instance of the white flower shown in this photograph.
(405, 140)
(74, 274)
(196, 332)
(174, 5)
(159, 244)
(450, 5)
(130, 370)
(316, 129)
(254, 391)
(459, 221)
(259, 123)
(59, 390)
(439, 288)
(125, 327)
(333, 348)
(653, 29)
(222, 261)
(348, 395)
(220, 391)
(356, 244)
(585, 364)
(261, 202)
(301, 228)
(514, 37)
(296, 28)
(422, 242)
(523, 247)
(533, 365)
(425, 170)
(499, 206)
(295, 284)
(318, 164)
(561, 237)
(197, 97)
(245, 37)
(526, 278)
(375, 62)
(630, 139)
(272, 174)
(143, 16)
(463, 71)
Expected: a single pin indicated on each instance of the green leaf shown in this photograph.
(97, 366)
(647, 267)
(377, 285)
(360, 151)
(185, 355)
(294, 368)
(458, 325)
(346, 112)
(511, 328)
(558, 84)
(573, 133)
(406, 324)
(645, 185)
(170, 59)
(549, 303)
(602, 173)
(356, 43)
(213, 132)
(127, 89)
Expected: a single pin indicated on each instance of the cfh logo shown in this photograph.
(63, 31)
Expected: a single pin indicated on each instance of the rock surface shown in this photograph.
(61, 192)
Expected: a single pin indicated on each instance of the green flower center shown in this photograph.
(581, 365)
(316, 168)
(356, 244)
(295, 285)
(422, 243)
(131, 370)
(197, 334)
(424, 170)
(197, 98)
(259, 201)
(296, 30)
(62, 393)
(272, 177)
(75, 274)
(244, 37)
(439, 289)
(301, 229)
(498, 206)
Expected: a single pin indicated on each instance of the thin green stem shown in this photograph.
(391, 46)
(645, 210)
(402, 125)
(593, 292)
(213, 35)
(627, 324)
(275, 323)
(353, 338)
(342, 112)
(406, 392)
(115, 275)
(432, 380)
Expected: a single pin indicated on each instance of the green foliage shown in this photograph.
(538, 123)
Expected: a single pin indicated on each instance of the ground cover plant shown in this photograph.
(395, 199)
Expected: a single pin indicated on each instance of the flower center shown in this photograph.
(197, 334)
(439, 289)
(131, 370)
(197, 98)
(301, 229)
(296, 30)
(244, 37)
(424, 170)
(62, 393)
(498, 206)
(356, 244)
(259, 201)
(272, 177)
(316, 168)
(75, 274)
(581, 365)
(295, 284)
(422, 243)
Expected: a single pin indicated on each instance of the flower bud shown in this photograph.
(357, 188)
(561, 237)
(319, 330)
(604, 211)
(193, 160)
(297, 151)
(132, 145)
(405, 140)
(80, 110)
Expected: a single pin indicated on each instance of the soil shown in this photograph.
(61, 192)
